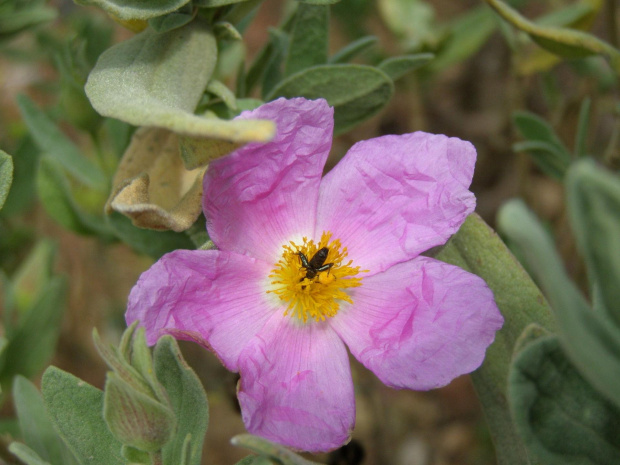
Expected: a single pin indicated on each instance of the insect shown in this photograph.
(316, 263)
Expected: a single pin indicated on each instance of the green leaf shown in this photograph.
(356, 92)
(188, 399)
(135, 9)
(217, 3)
(567, 43)
(309, 40)
(17, 19)
(591, 339)
(52, 141)
(36, 428)
(26, 454)
(397, 67)
(269, 449)
(319, 2)
(561, 418)
(257, 460)
(57, 198)
(582, 128)
(22, 192)
(172, 20)
(476, 248)
(32, 342)
(33, 275)
(350, 51)
(76, 409)
(468, 33)
(146, 241)
(593, 204)
(134, 418)
(158, 79)
(278, 49)
(6, 176)
(542, 143)
(220, 90)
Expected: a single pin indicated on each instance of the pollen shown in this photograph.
(311, 289)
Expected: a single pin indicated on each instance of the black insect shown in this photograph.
(316, 263)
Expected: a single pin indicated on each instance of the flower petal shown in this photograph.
(393, 197)
(263, 195)
(211, 297)
(420, 324)
(296, 387)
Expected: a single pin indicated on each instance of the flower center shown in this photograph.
(312, 278)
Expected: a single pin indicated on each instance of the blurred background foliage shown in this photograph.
(536, 96)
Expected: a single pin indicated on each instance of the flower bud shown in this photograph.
(136, 419)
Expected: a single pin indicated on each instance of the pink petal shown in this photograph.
(211, 297)
(263, 195)
(393, 197)
(296, 387)
(420, 324)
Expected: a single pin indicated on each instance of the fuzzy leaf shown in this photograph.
(134, 418)
(188, 400)
(468, 33)
(353, 49)
(146, 241)
(477, 248)
(76, 409)
(309, 39)
(593, 204)
(546, 149)
(591, 339)
(22, 193)
(56, 196)
(158, 79)
(356, 92)
(397, 67)
(6, 176)
(561, 418)
(26, 455)
(53, 142)
(127, 10)
(32, 343)
(270, 450)
(37, 430)
(567, 43)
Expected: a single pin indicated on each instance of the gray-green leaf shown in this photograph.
(568, 43)
(52, 141)
(32, 343)
(561, 418)
(477, 248)
(591, 339)
(135, 9)
(158, 79)
(37, 430)
(26, 454)
(6, 176)
(188, 400)
(56, 196)
(147, 241)
(356, 92)
(545, 147)
(397, 67)
(269, 449)
(76, 409)
(309, 39)
(594, 206)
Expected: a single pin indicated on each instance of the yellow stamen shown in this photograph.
(319, 296)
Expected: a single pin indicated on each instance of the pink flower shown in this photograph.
(283, 323)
